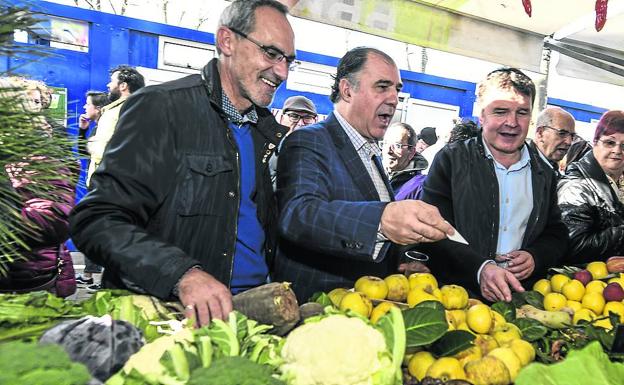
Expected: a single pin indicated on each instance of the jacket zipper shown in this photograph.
(239, 201)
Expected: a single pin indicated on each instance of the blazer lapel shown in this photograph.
(351, 159)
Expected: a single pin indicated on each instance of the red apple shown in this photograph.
(584, 276)
(613, 292)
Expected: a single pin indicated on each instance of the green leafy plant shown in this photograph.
(24, 148)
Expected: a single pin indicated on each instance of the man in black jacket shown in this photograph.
(182, 204)
(497, 192)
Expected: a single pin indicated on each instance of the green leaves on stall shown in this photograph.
(532, 330)
(506, 309)
(453, 342)
(424, 323)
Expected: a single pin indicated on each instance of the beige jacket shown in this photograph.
(105, 130)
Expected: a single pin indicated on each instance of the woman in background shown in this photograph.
(591, 195)
(43, 202)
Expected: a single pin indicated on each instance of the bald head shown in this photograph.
(554, 132)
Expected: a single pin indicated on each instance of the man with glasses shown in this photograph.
(182, 205)
(298, 111)
(497, 192)
(554, 134)
(399, 156)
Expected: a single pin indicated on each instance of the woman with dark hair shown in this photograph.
(591, 195)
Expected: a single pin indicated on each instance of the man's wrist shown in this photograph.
(176, 288)
(381, 237)
(487, 262)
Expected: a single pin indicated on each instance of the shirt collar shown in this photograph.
(358, 141)
(525, 158)
(250, 115)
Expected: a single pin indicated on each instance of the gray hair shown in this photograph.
(241, 14)
(547, 116)
(412, 138)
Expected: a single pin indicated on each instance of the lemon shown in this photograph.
(335, 296)
(486, 342)
(454, 297)
(455, 317)
(423, 281)
(356, 302)
(574, 305)
(509, 358)
(542, 286)
(614, 307)
(471, 354)
(573, 290)
(594, 302)
(583, 314)
(373, 287)
(446, 368)
(506, 333)
(480, 319)
(557, 281)
(419, 364)
(524, 350)
(595, 287)
(598, 269)
(380, 310)
(416, 296)
(604, 323)
(488, 370)
(398, 287)
(499, 320)
(554, 301)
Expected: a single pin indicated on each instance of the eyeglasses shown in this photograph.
(399, 146)
(610, 144)
(273, 54)
(563, 134)
(295, 118)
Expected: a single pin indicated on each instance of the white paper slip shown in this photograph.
(457, 237)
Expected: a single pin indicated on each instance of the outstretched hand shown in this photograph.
(411, 221)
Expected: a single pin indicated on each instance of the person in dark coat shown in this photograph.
(591, 195)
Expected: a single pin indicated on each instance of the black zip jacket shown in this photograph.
(462, 184)
(166, 196)
(592, 212)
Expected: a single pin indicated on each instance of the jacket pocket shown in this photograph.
(203, 190)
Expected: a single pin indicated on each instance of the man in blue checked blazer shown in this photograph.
(337, 216)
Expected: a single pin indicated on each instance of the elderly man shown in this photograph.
(399, 155)
(499, 195)
(554, 134)
(298, 111)
(182, 205)
(336, 216)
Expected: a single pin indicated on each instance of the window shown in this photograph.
(56, 32)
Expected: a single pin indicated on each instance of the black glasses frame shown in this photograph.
(275, 55)
(563, 133)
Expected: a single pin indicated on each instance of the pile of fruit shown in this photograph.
(496, 354)
(585, 295)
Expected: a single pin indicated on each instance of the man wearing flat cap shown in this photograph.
(298, 111)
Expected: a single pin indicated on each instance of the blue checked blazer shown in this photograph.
(329, 213)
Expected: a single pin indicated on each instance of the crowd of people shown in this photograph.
(189, 199)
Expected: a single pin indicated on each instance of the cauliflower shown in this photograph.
(338, 350)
